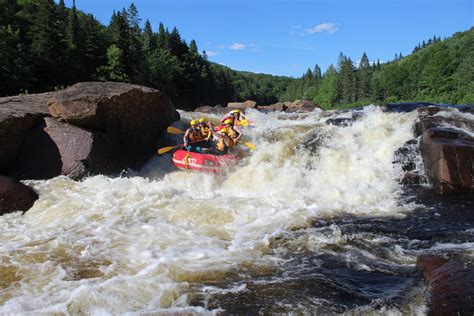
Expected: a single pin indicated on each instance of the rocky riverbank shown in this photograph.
(88, 128)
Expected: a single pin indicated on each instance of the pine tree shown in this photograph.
(193, 47)
(364, 78)
(327, 93)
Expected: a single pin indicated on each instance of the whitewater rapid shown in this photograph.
(153, 241)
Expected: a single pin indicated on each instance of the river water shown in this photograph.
(313, 221)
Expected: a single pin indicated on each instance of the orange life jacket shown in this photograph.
(194, 134)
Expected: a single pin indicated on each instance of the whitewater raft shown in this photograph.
(203, 162)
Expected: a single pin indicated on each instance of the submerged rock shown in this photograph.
(448, 157)
(450, 285)
(427, 121)
(15, 196)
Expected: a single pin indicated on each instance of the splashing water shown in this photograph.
(164, 239)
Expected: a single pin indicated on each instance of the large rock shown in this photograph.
(425, 123)
(412, 106)
(450, 285)
(303, 106)
(276, 107)
(106, 127)
(448, 157)
(17, 115)
(15, 196)
(113, 107)
(248, 104)
(54, 148)
(211, 109)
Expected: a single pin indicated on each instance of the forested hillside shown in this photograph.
(46, 46)
(440, 71)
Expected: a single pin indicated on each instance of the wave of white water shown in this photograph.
(143, 244)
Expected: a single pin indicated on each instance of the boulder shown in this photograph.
(15, 196)
(450, 285)
(249, 104)
(303, 106)
(17, 115)
(427, 122)
(277, 107)
(54, 148)
(448, 157)
(211, 109)
(412, 106)
(113, 107)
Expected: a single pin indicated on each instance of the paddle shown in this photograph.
(169, 148)
(244, 122)
(174, 130)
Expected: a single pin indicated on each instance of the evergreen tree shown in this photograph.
(327, 93)
(364, 77)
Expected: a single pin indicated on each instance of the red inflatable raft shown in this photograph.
(203, 162)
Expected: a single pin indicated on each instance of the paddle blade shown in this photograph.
(243, 123)
(174, 130)
(165, 149)
(250, 145)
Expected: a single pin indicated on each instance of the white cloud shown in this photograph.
(210, 53)
(237, 46)
(323, 27)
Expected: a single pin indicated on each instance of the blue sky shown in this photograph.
(284, 37)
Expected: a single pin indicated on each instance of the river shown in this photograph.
(313, 221)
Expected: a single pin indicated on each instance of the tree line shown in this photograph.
(47, 46)
(439, 71)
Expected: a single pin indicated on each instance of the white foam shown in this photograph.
(131, 245)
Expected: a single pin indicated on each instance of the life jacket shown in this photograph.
(232, 133)
(205, 132)
(227, 117)
(222, 146)
(194, 134)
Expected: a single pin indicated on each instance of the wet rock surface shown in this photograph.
(450, 285)
(412, 106)
(448, 157)
(15, 196)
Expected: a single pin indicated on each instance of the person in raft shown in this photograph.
(223, 143)
(232, 132)
(192, 136)
(236, 116)
(205, 132)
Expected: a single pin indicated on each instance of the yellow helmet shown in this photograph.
(235, 111)
(223, 131)
(193, 122)
(228, 121)
(202, 120)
